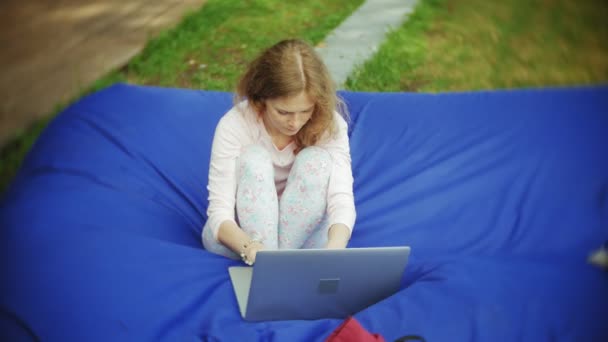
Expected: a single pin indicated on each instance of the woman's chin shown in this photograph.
(290, 133)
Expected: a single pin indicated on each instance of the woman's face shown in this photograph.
(285, 116)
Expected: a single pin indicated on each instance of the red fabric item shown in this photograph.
(351, 331)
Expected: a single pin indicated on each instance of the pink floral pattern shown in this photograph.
(304, 202)
(298, 220)
(256, 196)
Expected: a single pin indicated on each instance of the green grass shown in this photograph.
(207, 50)
(211, 49)
(455, 45)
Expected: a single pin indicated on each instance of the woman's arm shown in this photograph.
(233, 237)
(340, 200)
(230, 135)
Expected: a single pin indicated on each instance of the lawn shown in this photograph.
(456, 45)
(446, 45)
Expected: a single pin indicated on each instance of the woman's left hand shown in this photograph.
(336, 244)
(338, 236)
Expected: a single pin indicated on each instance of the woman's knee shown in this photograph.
(255, 158)
(313, 160)
(314, 153)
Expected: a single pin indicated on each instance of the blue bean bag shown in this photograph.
(502, 195)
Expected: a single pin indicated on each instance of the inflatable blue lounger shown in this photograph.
(502, 195)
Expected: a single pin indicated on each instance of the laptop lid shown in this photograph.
(322, 283)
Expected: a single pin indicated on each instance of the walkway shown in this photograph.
(359, 36)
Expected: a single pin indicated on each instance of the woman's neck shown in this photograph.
(279, 140)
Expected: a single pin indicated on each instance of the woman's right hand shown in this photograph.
(251, 251)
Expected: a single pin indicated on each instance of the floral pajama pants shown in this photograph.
(296, 220)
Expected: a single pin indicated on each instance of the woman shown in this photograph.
(280, 172)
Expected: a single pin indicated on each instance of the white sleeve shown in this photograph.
(226, 148)
(340, 199)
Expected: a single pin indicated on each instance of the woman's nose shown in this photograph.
(298, 119)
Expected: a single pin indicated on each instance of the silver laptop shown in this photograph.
(310, 284)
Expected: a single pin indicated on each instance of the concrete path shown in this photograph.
(359, 36)
(51, 50)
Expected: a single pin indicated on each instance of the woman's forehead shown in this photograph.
(295, 103)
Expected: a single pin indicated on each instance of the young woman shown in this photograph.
(280, 172)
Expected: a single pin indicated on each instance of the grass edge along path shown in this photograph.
(403, 50)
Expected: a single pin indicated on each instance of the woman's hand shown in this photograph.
(250, 251)
(337, 236)
(336, 244)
